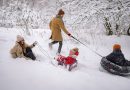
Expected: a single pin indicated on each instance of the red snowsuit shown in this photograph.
(71, 59)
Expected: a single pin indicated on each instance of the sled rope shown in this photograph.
(47, 55)
(44, 51)
(87, 46)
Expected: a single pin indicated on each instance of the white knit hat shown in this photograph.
(19, 38)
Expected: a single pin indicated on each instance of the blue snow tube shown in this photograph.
(114, 68)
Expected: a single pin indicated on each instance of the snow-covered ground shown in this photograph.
(21, 74)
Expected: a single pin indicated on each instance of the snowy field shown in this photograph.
(21, 74)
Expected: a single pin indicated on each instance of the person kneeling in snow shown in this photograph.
(117, 56)
(70, 60)
(21, 49)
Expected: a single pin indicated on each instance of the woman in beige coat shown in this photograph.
(21, 49)
(56, 25)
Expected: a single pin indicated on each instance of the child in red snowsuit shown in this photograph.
(70, 60)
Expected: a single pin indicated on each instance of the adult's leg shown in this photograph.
(29, 53)
(53, 42)
(60, 46)
(28, 49)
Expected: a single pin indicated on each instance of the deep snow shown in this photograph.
(21, 74)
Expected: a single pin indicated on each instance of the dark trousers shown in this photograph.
(29, 53)
(60, 45)
(73, 66)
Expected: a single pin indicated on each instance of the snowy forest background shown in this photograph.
(81, 16)
(98, 24)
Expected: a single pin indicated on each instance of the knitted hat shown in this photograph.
(19, 38)
(116, 47)
(61, 12)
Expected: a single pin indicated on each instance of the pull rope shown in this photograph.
(47, 55)
(44, 51)
(87, 46)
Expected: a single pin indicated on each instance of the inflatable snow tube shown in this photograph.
(115, 69)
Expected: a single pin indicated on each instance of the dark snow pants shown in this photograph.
(73, 66)
(29, 53)
(60, 45)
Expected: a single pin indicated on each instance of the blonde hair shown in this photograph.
(75, 49)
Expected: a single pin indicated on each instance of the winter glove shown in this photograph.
(35, 43)
(69, 35)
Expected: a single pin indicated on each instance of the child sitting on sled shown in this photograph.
(69, 61)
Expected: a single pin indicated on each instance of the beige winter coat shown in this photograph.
(17, 51)
(56, 25)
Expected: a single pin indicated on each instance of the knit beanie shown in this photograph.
(116, 47)
(19, 38)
